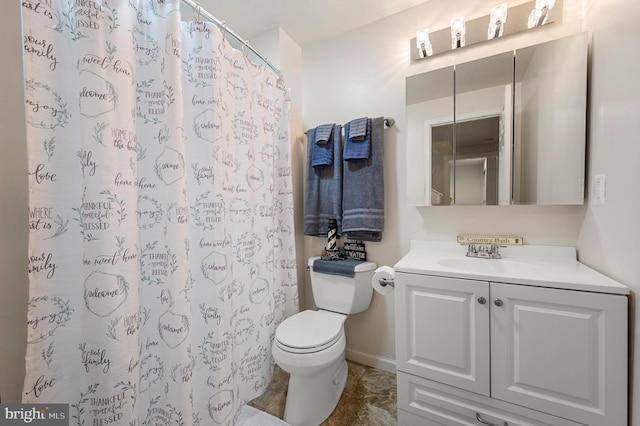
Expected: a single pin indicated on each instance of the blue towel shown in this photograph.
(358, 129)
(323, 188)
(345, 268)
(363, 191)
(321, 152)
(357, 149)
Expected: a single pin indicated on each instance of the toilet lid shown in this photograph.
(310, 329)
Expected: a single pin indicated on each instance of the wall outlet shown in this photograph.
(599, 190)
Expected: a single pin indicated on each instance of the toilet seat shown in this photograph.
(310, 331)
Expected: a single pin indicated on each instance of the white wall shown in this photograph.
(286, 55)
(362, 73)
(13, 208)
(608, 239)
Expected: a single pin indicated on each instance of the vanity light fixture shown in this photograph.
(496, 21)
(464, 32)
(423, 43)
(457, 32)
(540, 13)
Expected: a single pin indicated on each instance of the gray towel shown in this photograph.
(345, 268)
(357, 148)
(323, 188)
(363, 191)
(323, 133)
(358, 129)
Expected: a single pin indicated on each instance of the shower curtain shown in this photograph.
(161, 250)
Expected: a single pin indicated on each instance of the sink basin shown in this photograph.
(490, 266)
(541, 266)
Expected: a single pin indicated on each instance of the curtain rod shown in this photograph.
(223, 26)
(388, 122)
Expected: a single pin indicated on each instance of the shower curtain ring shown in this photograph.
(199, 9)
(224, 30)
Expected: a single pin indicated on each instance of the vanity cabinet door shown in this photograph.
(442, 330)
(561, 352)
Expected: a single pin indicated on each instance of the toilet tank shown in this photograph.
(343, 294)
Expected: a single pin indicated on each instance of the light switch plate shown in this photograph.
(599, 190)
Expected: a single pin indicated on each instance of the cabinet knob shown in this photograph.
(482, 300)
(498, 302)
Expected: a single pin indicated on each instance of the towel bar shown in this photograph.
(388, 122)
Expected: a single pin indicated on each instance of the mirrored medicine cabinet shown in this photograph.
(501, 130)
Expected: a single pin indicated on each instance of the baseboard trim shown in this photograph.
(381, 363)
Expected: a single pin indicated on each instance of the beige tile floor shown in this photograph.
(369, 398)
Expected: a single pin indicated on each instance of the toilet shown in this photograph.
(310, 345)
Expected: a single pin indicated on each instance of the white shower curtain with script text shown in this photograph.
(161, 249)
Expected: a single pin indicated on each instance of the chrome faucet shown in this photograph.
(483, 251)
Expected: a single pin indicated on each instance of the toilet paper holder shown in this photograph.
(387, 282)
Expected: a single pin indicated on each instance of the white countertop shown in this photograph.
(541, 266)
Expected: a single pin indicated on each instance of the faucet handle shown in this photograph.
(471, 250)
(494, 251)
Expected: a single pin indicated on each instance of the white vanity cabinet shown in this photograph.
(472, 351)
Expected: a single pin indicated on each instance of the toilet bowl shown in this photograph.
(310, 345)
(316, 365)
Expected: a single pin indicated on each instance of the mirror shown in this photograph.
(550, 122)
(512, 131)
(482, 172)
(429, 104)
